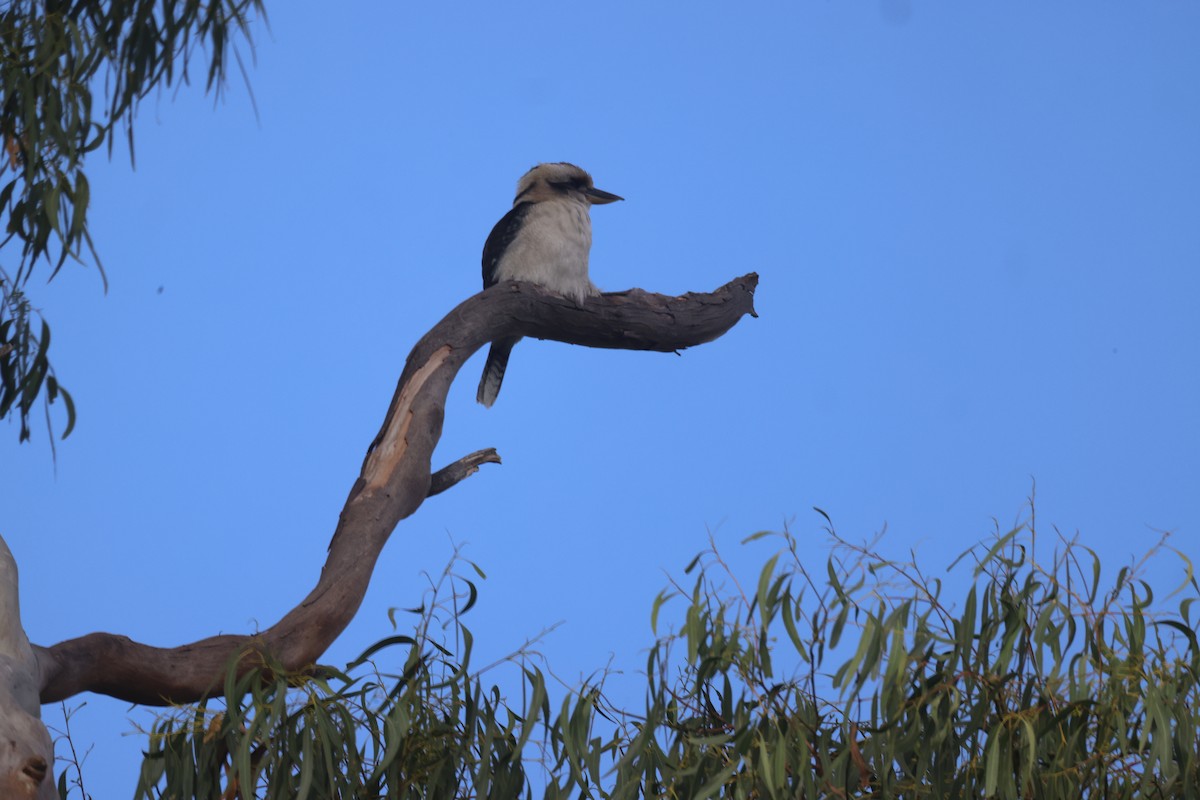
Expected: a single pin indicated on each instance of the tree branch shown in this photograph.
(394, 481)
(462, 469)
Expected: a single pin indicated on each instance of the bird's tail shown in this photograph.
(493, 371)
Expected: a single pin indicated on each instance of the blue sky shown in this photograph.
(977, 233)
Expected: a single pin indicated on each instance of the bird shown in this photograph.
(544, 239)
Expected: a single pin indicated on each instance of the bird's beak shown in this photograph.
(600, 197)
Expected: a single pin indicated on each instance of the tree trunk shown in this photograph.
(26, 751)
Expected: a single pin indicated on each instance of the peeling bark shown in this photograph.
(395, 479)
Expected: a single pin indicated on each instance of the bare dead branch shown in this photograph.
(394, 481)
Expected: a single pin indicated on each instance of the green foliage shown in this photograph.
(1043, 682)
(54, 57)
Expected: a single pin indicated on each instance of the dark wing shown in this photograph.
(500, 238)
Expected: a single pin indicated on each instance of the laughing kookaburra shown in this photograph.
(544, 239)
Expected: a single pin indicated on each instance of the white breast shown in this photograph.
(552, 249)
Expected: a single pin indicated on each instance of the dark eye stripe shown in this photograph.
(571, 183)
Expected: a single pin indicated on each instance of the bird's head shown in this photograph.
(560, 180)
